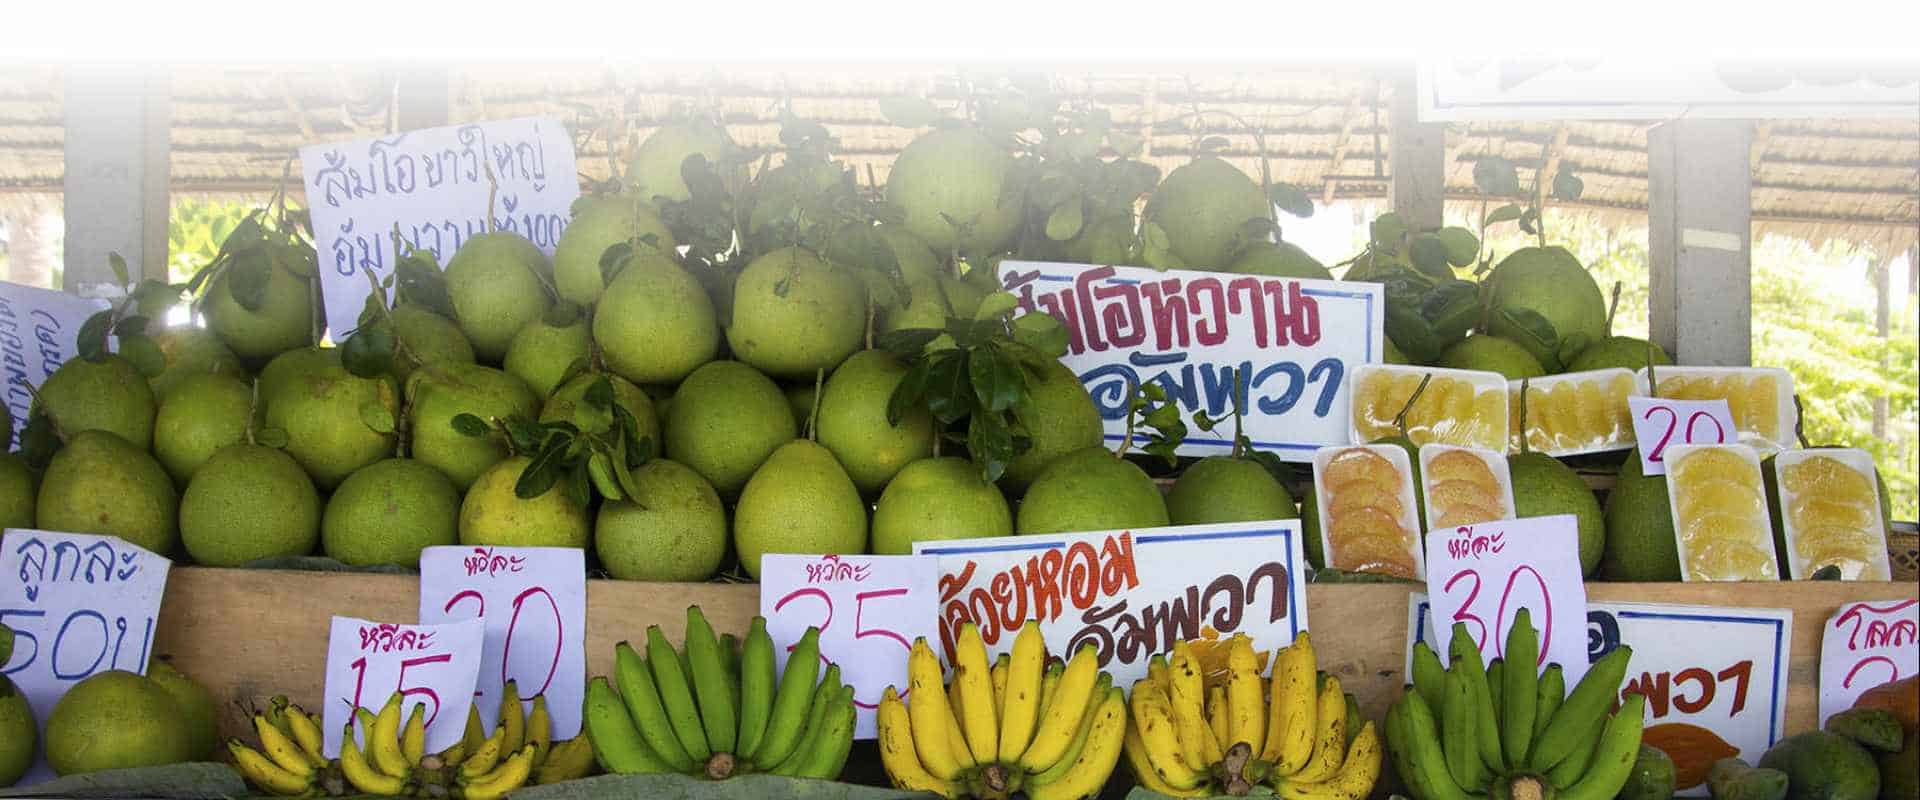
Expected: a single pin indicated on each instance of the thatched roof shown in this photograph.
(1323, 130)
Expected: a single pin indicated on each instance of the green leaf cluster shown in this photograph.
(597, 450)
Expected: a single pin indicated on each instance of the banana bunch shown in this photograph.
(1015, 725)
(394, 761)
(1504, 732)
(715, 710)
(1297, 730)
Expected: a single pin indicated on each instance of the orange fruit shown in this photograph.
(1360, 464)
(1459, 465)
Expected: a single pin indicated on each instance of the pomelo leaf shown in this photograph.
(949, 390)
(540, 474)
(1155, 236)
(1504, 213)
(368, 351)
(909, 342)
(599, 394)
(562, 314)
(143, 354)
(1496, 176)
(1429, 255)
(1292, 200)
(119, 267)
(470, 425)
(992, 443)
(997, 382)
(911, 389)
(1531, 325)
(39, 441)
(1568, 186)
(1042, 332)
(1530, 221)
(1065, 221)
(91, 342)
(996, 305)
(247, 278)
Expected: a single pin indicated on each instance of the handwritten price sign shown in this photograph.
(83, 604)
(1863, 646)
(869, 609)
(432, 664)
(37, 328)
(1660, 423)
(1484, 574)
(534, 603)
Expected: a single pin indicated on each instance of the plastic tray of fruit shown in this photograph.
(1719, 512)
(1830, 514)
(1759, 398)
(1459, 406)
(1369, 521)
(1573, 414)
(1464, 486)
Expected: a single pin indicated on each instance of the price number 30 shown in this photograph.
(1519, 582)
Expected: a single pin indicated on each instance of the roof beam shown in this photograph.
(1762, 135)
(293, 108)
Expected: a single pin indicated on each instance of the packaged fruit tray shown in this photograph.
(1760, 398)
(1460, 407)
(1830, 514)
(1573, 414)
(1464, 486)
(1719, 508)
(1368, 514)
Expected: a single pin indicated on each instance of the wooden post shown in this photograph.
(1417, 159)
(116, 176)
(1700, 232)
(1882, 271)
(421, 97)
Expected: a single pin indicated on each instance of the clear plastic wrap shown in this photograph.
(1460, 407)
(1464, 486)
(1719, 511)
(1830, 513)
(1368, 521)
(1574, 413)
(1760, 398)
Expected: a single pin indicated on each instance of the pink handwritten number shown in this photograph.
(1673, 420)
(860, 631)
(1719, 433)
(1546, 630)
(559, 635)
(359, 667)
(1466, 614)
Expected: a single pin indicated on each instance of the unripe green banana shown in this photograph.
(1575, 717)
(756, 685)
(790, 702)
(617, 743)
(637, 691)
(1520, 683)
(1613, 760)
(710, 684)
(675, 695)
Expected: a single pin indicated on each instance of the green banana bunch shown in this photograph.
(1505, 731)
(717, 709)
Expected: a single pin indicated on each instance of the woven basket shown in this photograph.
(1903, 550)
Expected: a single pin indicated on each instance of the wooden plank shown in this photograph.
(251, 634)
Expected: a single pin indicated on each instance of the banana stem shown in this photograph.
(721, 766)
(1235, 782)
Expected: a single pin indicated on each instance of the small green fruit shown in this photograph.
(335, 421)
(1060, 417)
(541, 352)
(202, 414)
(799, 501)
(853, 421)
(600, 222)
(98, 483)
(948, 182)
(197, 709)
(388, 511)
(1204, 206)
(1091, 489)
(725, 420)
(1227, 489)
(794, 314)
(495, 280)
(115, 720)
(935, 499)
(247, 503)
(436, 395)
(429, 337)
(108, 395)
(655, 323)
(675, 529)
(283, 322)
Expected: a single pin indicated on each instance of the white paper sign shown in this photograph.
(1484, 574)
(1723, 670)
(1130, 594)
(433, 184)
(534, 603)
(1863, 646)
(37, 329)
(81, 604)
(432, 664)
(1291, 345)
(869, 610)
(1660, 423)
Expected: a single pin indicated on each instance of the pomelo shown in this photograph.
(654, 171)
(115, 720)
(429, 337)
(249, 502)
(545, 348)
(1543, 486)
(1228, 489)
(934, 499)
(1550, 282)
(203, 414)
(655, 323)
(799, 501)
(492, 514)
(1619, 351)
(496, 282)
(435, 396)
(284, 320)
(853, 421)
(794, 314)
(108, 395)
(1060, 418)
(1090, 489)
(388, 511)
(1204, 206)
(1640, 544)
(1279, 259)
(190, 350)
(1491, 353)
(955, 174)
(600, 222)
(98, 483)
(725, 420)
(674, 529)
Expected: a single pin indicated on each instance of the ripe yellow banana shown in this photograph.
(567, 760)
(1048, 685)
(512, 717)
(510, 775)
(1330, 735)
(363, 774)
(1160, 737)
(261, 771)
(1069, 701)
(1097, 758)
(540, 729)
(1197, 742)
(1246, 700)
(383, 741)
(413, 737)
(486, 757)
(1290, 711)
(1067, 760)
(281, 748)
(999, 674)
(1157, 672)
(973, 680)
(1025, 680)
(1355, 778)
(899, 754)
(1136, 752)
(305, 731)
(930, 713)
(1217, 714)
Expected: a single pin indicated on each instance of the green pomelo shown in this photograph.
(115, 720)
(17, 488)
(600, 222)
(98, 483)
(1652, 777)
(288, 367)
(934, 499)
(1107, 241)
(853, 421)
(726, 419)
(794, 314)
(674, 529)
(1544, 487)
(1279, 259)
(569, 403)
(247, 503)
(283, 322)
(1060, 417)
(1228, 489)
(655, 323)
(1550, 282)
(654, 171)
(1391, 353)
(930, 303)
(1204, 206)
(197, 709)
(799, 501)
(1618, 351)
(387, 512)
(955, 174)
(188, 351)
(542, 352)
(495, 282)
(1090, 489)
(1640, 544)
(1824, 766)
(429, 337)
(19, 733)
(1310, 528)
(106, 395)
(335, 421)
(203, 414)
(437, 395)
(492, 514)
(1490, 353)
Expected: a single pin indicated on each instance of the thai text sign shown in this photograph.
(37, 328)
(434, 185)
(78, 604)
(869, 609)
(534, 603)
(1482, 575)
(1130, 594)
(1288, 344)
(435, 665)
(1863, 646)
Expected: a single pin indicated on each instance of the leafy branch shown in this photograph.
(596, 450)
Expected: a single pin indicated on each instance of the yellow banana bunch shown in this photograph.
(717, 712)
(1016, 725)
(1289, 730)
